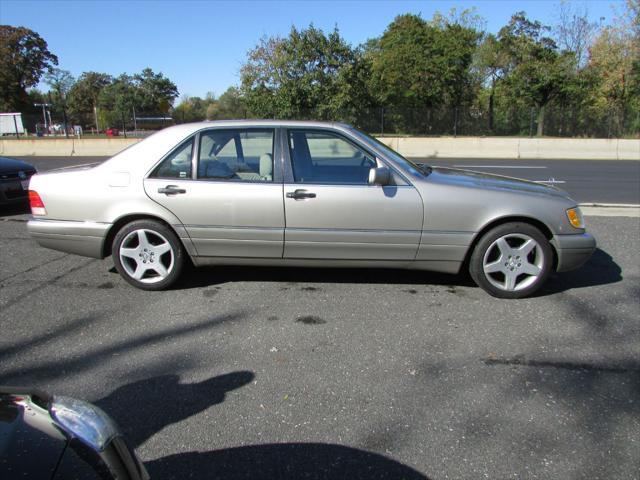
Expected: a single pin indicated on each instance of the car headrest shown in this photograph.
(266, 166)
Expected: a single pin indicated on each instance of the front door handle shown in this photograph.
(300, 194)
(171, 190)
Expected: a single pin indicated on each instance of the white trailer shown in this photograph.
(11, 124)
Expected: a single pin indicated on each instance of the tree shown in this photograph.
(119, 99)
(406, 67)
(458, 44)
(491, 63)
(24, 57)
(193, 109)
(84, 94)
(60, 81)
(418, 66)
(574, 31)
(156, 93)
(230, 105)
(614, 60)
(304, 75)
(537, 71)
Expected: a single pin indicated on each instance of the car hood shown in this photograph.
(11, 165)
(493, 182)
(29, 441)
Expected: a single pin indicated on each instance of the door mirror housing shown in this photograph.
(380, 176)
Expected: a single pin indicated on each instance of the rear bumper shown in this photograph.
(573, 250)
(79, 238)
(11, 192)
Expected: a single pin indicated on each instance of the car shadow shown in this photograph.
(600, 269)
(145, 407)
(311, 461)
(210, 276)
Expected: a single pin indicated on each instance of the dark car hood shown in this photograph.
(11, 165)
(495, 182)
(30, 444)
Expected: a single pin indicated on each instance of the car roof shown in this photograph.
(161, 142)
(184, 127)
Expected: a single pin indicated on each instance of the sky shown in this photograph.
(200, 45)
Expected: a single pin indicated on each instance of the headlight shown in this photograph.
(84, 421)
(575, 217)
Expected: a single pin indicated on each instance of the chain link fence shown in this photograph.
(558, 121)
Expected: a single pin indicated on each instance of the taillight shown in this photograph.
(36, 204)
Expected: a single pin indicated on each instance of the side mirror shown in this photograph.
(379, 176)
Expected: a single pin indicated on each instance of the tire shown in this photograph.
(148, 255)
(512, 260)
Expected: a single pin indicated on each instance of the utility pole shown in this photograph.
(44, 112)
(95, 114)
(15, 124)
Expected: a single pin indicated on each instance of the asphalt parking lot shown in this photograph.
(306, 373)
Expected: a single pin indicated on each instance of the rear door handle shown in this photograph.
(300, 194)
(171, 190)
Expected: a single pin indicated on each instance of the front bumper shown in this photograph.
(80, 238)
(573, 250)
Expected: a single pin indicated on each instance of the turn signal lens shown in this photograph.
(575, 217)
(36, 204)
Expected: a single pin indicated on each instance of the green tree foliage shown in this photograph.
(84, 94)
(24, 57)
(154, 92)
(614, 66)
(229, 106)
(309, 74)
(192, 109)
(60, 81)
(439, 76)
(419, 65)
(119, 100)
(490, 63)
(538, 72)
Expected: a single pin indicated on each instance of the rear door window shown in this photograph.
(236, 155)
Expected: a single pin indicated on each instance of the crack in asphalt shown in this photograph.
(35, 267)
(47, 283)
(520, 360)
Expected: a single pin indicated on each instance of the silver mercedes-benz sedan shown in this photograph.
(308, 194)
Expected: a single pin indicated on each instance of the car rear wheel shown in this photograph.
(148, 255)
(511, 261)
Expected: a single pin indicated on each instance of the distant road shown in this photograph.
(587, 181)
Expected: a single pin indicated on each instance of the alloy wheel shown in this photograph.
(146, 256)
(513, 262)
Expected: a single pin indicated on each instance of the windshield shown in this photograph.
(417, 168)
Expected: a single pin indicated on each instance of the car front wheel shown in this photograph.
(148, 255)
(512, 260)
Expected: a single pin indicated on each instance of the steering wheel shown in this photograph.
(365, 160)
